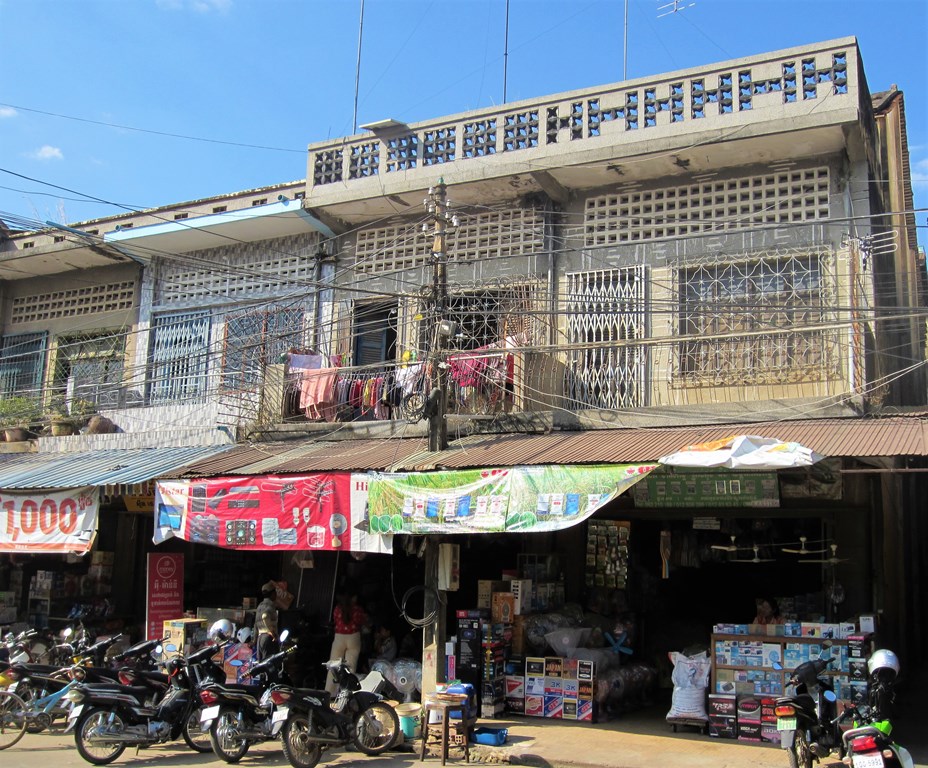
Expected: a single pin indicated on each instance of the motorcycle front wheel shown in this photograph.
(300, 749)
(800, 756)
(375, 728)
(90, 725)
(28, 694)
(193, 736)
(224, 738)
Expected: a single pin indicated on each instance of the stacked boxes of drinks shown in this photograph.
(557, 687)
(495, 646)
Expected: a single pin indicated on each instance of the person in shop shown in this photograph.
(349, 619)
(768, 612)
(384, 643)
(266, 622)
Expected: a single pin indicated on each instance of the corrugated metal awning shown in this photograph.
(318, 455)
(105, 468)
(856, 437)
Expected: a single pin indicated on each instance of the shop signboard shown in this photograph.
(524, 499)
(316, 512)
(165, 594)
(60, 520)
(708, 488)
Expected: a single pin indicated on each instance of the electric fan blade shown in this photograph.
(834, 559)
(756, 559)
(728, 547)
(803, 550)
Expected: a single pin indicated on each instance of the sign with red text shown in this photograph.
(165, 596)
(323, 511)
(59, 520)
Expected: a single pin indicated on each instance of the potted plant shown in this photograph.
(18, 415)
(60, 422)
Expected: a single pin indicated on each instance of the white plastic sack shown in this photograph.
(690, 678)
(565, 641)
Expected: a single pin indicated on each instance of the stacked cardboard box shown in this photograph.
(183, 636)
(723, 715)
(556, 687)
(748, 712)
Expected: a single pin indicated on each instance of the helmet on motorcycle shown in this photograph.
(244, 635)
(883, 666)
(221, 630)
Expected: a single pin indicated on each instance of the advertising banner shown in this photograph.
(165, 595)
(314, 512)
(59, 520)
(523, 499)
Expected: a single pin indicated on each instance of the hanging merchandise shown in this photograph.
(665, 554)
(607, 553)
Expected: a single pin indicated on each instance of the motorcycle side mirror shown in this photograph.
(284, 635)
(236, 663)
(830, 695)
(159, 649)
(778, 666)
(827, 644)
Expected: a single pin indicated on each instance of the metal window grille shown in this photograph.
(748, 322)
(179, 353)
(90, 367)
(607, 310)
(22, 363)
(256, 338)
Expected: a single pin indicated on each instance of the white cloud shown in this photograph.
(7, 112)
(47, 152)
(920, 173)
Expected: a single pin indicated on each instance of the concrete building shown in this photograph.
(621, 271)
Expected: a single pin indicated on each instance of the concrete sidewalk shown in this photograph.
(633, 741)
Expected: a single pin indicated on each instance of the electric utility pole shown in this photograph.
(443, 329)
(436, 205)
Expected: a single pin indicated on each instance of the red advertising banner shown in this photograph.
(324, 511)
(165, 596)
(49, 521)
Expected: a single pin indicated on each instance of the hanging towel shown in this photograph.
(317, 393)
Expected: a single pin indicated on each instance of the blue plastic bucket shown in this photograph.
(410, 716)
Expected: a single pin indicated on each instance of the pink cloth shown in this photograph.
(317, 393)
(467, 368)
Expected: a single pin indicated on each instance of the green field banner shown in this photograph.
(517, 499)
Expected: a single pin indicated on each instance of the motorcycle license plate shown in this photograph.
(76, 712)
(280, 714)
(210, 713)
(873, 760)
(786, 724)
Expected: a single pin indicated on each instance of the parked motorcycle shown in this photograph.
(108, 718)
(238, 715)
(869, 742)
(807, 720)
(309, 723)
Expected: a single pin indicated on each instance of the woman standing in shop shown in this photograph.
(349, 619)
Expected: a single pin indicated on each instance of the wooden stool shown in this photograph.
(448, 703)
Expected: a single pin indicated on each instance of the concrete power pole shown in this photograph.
(434, 634)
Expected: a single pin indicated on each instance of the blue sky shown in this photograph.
(279, 74)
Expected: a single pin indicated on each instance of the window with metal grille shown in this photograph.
(754, 321)
(89, 367)
(256, 338)
(606, 313)
(178, 357)
(22, 363)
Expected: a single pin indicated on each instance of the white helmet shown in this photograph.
(883, 666)
(244, 635)
(221, 630)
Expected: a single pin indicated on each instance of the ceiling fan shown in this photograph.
(756, 559)
(802, 548)
(728, 547)
(832, 560)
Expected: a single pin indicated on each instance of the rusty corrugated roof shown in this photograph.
(860, 437)
(318, 455)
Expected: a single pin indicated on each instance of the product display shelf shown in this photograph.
(768, 644)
